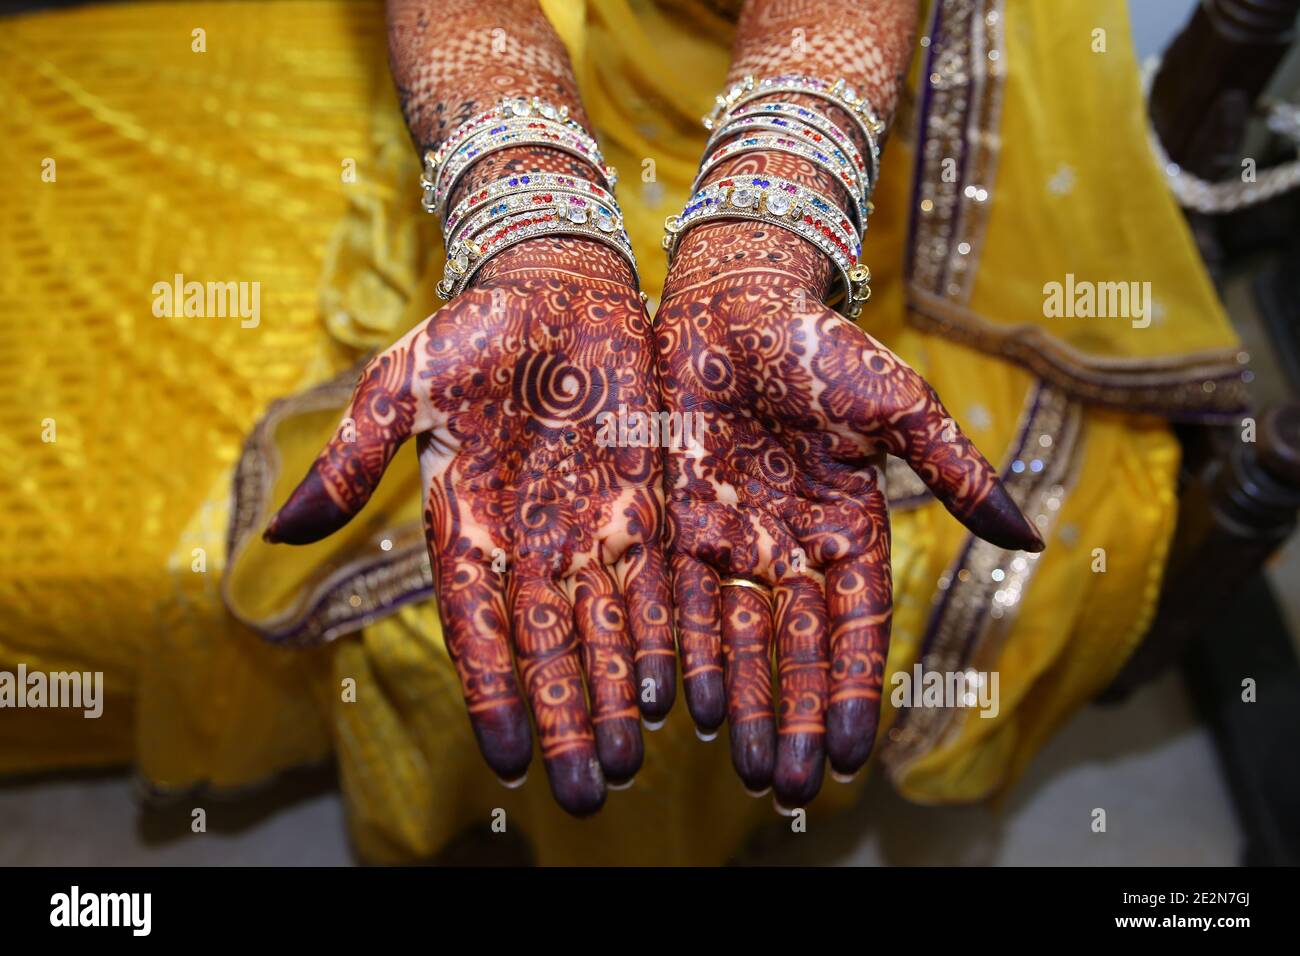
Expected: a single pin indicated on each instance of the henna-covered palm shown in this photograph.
(503, 389)
(799, 407)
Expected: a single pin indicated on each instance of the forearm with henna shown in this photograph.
(866, 44)
(504, 390)
(452, 59)
(801, 404)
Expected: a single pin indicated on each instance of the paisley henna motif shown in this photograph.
(505, 387)
(800, 407)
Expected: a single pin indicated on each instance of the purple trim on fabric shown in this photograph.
(937, 613)
(922, 124)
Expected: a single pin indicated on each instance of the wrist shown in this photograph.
(562, 255)
(718, 249)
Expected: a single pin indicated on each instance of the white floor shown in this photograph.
(1147, 764)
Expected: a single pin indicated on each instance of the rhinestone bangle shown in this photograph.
(568, 204)
(790, 206)
(510, 185)
(518, 107)
(781, 115)
(469, 256)
(507, 135)
(838, 93)
(829, 158)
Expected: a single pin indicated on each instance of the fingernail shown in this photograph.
(784, 811)
(706, 737)
(758, 794)
(652, 725)
(620, 786)
(513, 784)
(843, 777)
(999, 520)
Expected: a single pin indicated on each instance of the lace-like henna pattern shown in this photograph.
(545, 541)
(452, 59)
(800, 407)
(865, 42)
(506, 388)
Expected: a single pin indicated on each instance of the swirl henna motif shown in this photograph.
(800, 406)
(545, 540)
(505, 389)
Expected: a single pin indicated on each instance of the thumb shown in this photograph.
(884, 400)
(383, 413)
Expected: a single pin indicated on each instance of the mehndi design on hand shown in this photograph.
(800, 407)
(504, 389)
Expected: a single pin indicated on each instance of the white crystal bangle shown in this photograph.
(827, 157)
(790, 206)
(468, 256)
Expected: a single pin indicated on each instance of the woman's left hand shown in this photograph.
(797, 407)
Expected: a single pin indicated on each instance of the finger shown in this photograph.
(897, 410)
(747, 665)
(646, 593)
(547, 647)
(859, 600)
(699, 631)
(959, 476)
(801, 666)
(607, 655)
(382, 414)
(475, 627)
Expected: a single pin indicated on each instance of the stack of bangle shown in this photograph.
(790, 206)
(825, 156)
(739, 125)
(837, 93)
(802, 121)
(512, 123)
(522, 205)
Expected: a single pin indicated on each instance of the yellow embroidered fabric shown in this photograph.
(277, 155)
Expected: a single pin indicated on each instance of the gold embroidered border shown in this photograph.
(959, 145)
(980, 593)
(1202, 387)
(346, 598)
(961, 100)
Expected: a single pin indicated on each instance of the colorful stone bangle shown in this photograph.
(510, 185)
(574, 206)
(507, 135)
(838, 93)
(468, 256)
(790, 206)
(859, 189)
(780, 115)
(517, 107)
(827, 157)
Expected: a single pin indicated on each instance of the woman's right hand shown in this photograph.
(544, 537)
